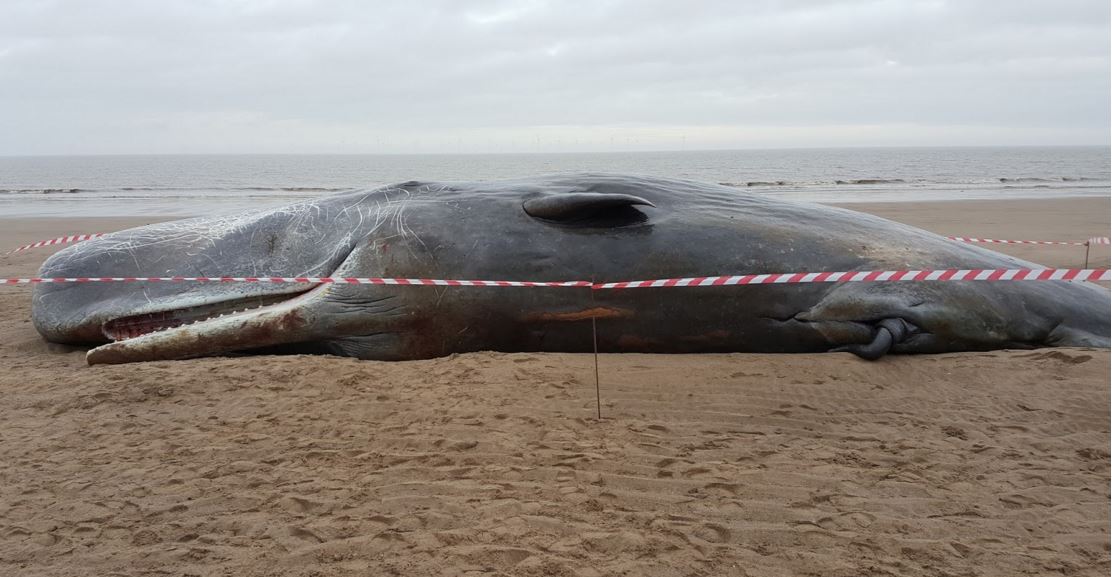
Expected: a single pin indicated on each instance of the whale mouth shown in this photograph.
(222, 327)
(133, 326)
(228, 326)
(252, 322)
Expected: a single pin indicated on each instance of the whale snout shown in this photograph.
(290, 242)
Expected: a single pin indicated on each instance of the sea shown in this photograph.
(188, 185)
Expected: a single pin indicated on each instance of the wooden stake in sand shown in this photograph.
(598, 394)
(594, 342)
(1088, 243)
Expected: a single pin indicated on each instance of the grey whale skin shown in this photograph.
(568, 227)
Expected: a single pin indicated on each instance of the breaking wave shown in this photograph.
(1008, 182)
(158, 191)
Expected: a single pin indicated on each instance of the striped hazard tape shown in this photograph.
(1102, 240)
(1015, 274)
(1091, 241)
(1046, 274)
(56, 241)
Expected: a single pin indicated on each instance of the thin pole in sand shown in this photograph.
(594, 342)
(1087, 244)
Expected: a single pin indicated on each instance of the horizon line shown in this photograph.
(558, 152)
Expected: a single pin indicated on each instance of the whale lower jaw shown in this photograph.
(133, 326)
(217, 328)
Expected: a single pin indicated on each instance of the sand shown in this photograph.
(494, 464)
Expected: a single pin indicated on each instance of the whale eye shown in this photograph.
(588, 209)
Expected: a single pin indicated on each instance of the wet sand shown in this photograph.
(494, 464)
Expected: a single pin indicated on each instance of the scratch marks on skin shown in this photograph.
(354, 209)
(471, 250)
(174, 235)
(396, 212)
(327, 228)
(215, 264)
(309, 238)
(392, 210)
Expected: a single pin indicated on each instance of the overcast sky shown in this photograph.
(165, 76)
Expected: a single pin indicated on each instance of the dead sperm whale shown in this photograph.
(594, 227)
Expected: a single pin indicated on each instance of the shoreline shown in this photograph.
(176, 207)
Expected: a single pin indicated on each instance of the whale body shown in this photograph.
(595, 227)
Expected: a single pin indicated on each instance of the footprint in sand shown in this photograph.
(305, 535)
(696, 472)
(567, 481)
(1058, 356)
(1090, 454)
(713, 533)
(728, 489)
(145, 537)
(849, 521)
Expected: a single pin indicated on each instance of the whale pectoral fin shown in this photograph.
(889, 333)
(587, 208)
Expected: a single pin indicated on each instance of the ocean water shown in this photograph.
(209, 184)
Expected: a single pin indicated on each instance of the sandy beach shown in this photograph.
(494, 464)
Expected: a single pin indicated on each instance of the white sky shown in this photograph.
(167, 76)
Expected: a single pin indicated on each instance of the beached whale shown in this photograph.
(578, 227)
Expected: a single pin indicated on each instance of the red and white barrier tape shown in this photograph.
(1048, 274)
(1091, 241)
(54, 241)
(1104, 240)
(1068, 274)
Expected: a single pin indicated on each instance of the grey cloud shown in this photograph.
(298, 76)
